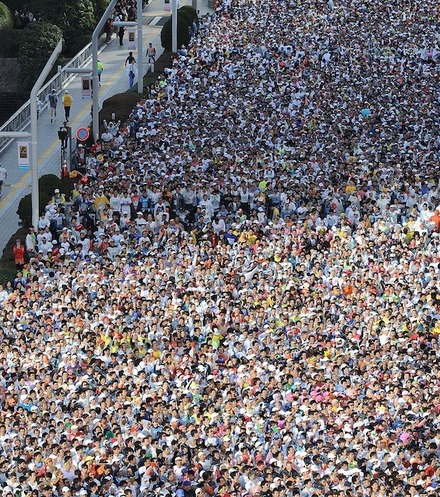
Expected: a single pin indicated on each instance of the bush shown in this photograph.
(184, 14)
(99, 6)
(37, 43)
(182, 33)
(24, 210)
(10, 44)
(74, 42)
(76, 19)
(79, 14)
(16, 4)
(191, 11)
(48, 183)
(6, 19)
(121, 105)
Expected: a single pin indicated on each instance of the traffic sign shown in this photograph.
(83, 134)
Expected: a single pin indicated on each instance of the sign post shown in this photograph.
(86, 86)
(131, 43)
(82, 134)
(23, 155)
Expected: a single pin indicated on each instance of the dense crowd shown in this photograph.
(242, 298)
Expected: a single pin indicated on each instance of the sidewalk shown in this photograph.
(114, 80)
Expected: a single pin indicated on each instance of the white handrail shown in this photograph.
(22, 118)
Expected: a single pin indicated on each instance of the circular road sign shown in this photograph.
(82, 134)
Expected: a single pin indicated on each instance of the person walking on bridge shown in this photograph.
(100, 71)
(67, 102)
(151, 54)
(130, 59)
(3, 176)
(53, 102)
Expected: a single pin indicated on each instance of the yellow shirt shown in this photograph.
(67, 100)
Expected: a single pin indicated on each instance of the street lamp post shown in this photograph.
(174, 26)
(34, 131)
(95, 79)
(140, 50)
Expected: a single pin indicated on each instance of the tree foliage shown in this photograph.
(182, 33)
(10, 42)
(16, 4)
(38, 41)
(24, 210)
(191, 11)
(79, 14)
(46, 187)
(6, 20)
(100, 6)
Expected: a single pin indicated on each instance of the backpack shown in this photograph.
(53, 100)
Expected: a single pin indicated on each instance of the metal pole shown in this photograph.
(194, 5)
(95, 80)
(140, 49)
(174, 26)
(34, 131)
(14, 134)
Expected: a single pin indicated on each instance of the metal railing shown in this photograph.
(22, 118)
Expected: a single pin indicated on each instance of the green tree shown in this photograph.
(6, 20)
(185, 15)
(10, 42)
(37, 43)
(46, 185)
(79, 14)
(76, 18)
(192, 11)
(182, 33)
(100, 6)
(16, 4)
(24, 210)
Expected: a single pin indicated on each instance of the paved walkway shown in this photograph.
(114, 80)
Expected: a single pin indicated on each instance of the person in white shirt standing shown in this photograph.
(3, 176)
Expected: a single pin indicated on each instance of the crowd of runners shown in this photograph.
(243, 296)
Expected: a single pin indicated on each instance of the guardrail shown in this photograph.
(22, 118)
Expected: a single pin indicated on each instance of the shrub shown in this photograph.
(10, 44)
(48, 183)
(37, 43)
(191, 11)
(99, 6)
(24, 210)
(74, 42)
(65, 13)
(182, 33)
(15, 4)
(6, 19)
(184, 14)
